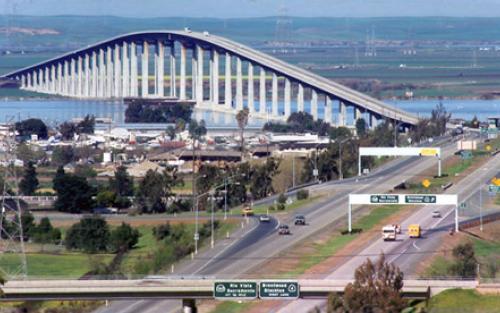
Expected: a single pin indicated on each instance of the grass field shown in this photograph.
(67, 265)
(463, 301)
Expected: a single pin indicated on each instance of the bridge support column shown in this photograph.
(182, 82)
(314, 104)
(288, 97)
(23, 82)
(250, 96)
(109, 72)
(199, 75)
(93, 82)
(262, 92)
(357, 114)
(194, 69)
(173, 71)
(145, 70)
(41, 81)
(118, 72)
(373, 121)
(215, 77)
(79, 80)
(125, 71)
(160, 69)
(86, 85)
(300, 98)
(189, 306)
(46, 85)
(34, 76)
(328, 110)
(134, 83)
(28, 81)
(239, 85)
(275, 95)
(101, 89)
(342, 114)
(66, 79)
(52, 79)
(72, 88)
(228, 89)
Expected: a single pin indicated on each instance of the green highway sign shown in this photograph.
(493, 188)
(420, 199)
(466, 155)
(278, 290)
(384, 199)
(235, 290)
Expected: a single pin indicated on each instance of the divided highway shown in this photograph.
(262, 242)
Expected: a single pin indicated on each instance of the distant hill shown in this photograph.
(76, 31)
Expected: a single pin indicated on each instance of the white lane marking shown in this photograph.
(277, 225)
(415, 245)
(225, 248)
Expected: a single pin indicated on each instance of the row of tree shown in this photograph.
(35, 126)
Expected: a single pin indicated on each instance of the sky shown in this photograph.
(253, 8)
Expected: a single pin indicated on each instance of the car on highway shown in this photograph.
(247, 211)
(414, 231)
(299, 220)
(389, 232)
(284, 229)
(436, 214)
(264, 218)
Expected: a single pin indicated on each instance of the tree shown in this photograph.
(67, 130)
(27, 153)
(90, 235)
(376, 288)
(171, 132)
(439, 118)
(122, 184)
(123, 238)
(29, 183)
(361, 127)
(242, 119)
(105, 198)
(262, 178)
(465, 261)
(155, 189)
(62, 155)
(56, 182)
(74, 194)
(196, 132)
(45, 233)
(87, 125)
(2, 282)
(32, 126)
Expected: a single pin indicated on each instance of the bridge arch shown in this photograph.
(120, 67)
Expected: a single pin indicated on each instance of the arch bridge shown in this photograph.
(135, 66)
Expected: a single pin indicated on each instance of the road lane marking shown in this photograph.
(415, 245)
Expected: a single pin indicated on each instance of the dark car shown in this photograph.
(284, 230)
(300, 220)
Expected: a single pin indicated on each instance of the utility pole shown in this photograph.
(11, 228)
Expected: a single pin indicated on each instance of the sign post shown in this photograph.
(235, 290)
(278, 290)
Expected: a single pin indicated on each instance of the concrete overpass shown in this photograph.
(110, 69)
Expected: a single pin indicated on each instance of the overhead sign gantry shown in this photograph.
(404, 199)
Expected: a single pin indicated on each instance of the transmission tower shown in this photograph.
(12, 252)
(283, 31)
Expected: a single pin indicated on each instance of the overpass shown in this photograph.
(110, 69)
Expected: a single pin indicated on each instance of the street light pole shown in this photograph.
(212, 235)
(225, 198)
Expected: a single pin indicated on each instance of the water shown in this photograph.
(56, 111)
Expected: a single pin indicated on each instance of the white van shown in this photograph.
(389, 232)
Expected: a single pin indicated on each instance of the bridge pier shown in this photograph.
(239, 85)
(189, 306)
(145, 70)
(125, 71)
(373, 120)
(328, 110)
(314, 104)
(160, 70)
(300, 98)
(182, 83)
(262, 92)
(227, 83)
(173, 71)
(288, 97)
(194, 73)
(250, 82)
(275, 95)
(134, 80)
(342, 114)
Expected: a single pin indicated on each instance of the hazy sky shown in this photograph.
(252, 8)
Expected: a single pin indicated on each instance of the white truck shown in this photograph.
(389, 232)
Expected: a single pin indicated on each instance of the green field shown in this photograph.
(66, 265)
(463, 301)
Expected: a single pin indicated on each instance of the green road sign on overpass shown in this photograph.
(278, 290)
(235, 290)
(384, 198)
(420, 199)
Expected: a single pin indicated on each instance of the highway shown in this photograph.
(407, 252)
(243, 255)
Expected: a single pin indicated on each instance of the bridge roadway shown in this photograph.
(35, 290)
(261, 243)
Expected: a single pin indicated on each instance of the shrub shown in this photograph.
(124, 238)
(302, 194)
(282, 198)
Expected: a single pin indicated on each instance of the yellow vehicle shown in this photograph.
(414, 231)
(247, 211)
